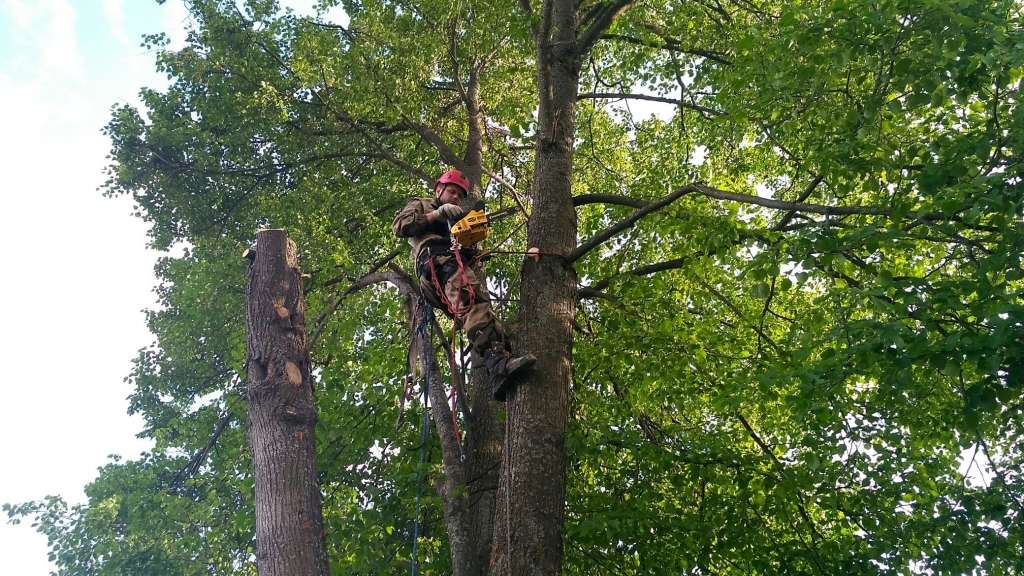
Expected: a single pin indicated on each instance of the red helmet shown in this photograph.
(453, 177)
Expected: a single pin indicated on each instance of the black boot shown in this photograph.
(502, 368)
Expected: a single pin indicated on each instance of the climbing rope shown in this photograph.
(454, 309)
(457, 312)
(428, 316)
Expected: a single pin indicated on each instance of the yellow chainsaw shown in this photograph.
(473, 227)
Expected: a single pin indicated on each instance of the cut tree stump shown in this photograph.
(282, 414)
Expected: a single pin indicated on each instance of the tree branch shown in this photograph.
(624, 96)
(397, 278)
(803, 196)
(453, 49)
(792, 206)
(339, 116)
(585, 199)
(527, 9)
(447, 154)
(782, 470)
(611, 231)
(197, 460)
(670, 44)
(721, 297)
(595, 290)
(510, 188)
(602, 20)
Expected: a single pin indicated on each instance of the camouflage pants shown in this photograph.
(479, 322)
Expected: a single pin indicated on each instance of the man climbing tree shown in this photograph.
(449, 284)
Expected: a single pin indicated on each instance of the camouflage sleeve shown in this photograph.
(411, 221)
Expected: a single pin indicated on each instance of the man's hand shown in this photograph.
(450, 212)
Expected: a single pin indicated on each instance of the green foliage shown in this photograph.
(790, 393)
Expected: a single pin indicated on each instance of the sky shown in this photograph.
(76, 271)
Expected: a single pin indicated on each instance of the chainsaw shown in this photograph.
(473, 228)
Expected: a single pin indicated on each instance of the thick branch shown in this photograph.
(594, 290)
(611, 231)
(584, 199)
(602, 21)
(624, 96)
(447, 154)
(527, 9)
(792, 206)
(371, 278)
(671, 45)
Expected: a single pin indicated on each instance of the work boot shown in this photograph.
(502, 368)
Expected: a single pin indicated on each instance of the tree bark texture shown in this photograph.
(282, 415)
(484, 431)
(532, 490)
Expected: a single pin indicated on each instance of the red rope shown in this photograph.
(453, 309)
(452, 398)
(538, 253)
(457, 314)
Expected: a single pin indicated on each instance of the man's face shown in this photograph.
(449, 194)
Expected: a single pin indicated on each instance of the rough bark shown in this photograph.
(282, 415)
(532, 500)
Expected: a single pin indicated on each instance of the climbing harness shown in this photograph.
(457, 312)
(454, 309)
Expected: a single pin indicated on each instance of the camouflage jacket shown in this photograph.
(412, 223)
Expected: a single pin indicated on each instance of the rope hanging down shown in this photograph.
(428, 316)
(457, 312)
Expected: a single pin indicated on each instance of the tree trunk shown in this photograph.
(532, 500)
(484, 431)
(282, 415)
(467, 486)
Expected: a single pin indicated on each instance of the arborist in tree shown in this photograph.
(449, 284)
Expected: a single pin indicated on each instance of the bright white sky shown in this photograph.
(76, 271)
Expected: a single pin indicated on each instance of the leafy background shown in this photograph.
(791, 393)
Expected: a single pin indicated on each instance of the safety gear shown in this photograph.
(450, 212)
(473, 227)
(453, 177)
(502, 368)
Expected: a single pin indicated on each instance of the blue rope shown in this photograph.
(427, 314)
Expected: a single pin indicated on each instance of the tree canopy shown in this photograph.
(799, 342)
